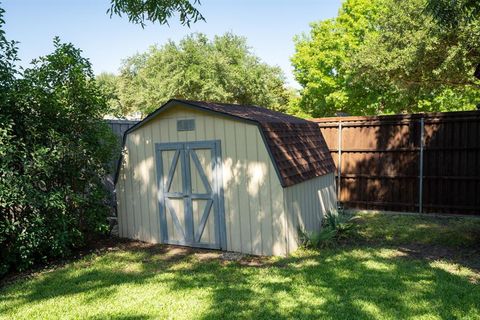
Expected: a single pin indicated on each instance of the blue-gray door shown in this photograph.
(190, 197)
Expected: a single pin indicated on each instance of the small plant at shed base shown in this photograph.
(336, 226)
(322, 239)
(341, 222)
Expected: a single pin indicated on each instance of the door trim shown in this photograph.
(218, 205)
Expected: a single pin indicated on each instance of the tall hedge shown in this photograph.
(54, 147)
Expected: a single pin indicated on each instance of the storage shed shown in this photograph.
(223, 176)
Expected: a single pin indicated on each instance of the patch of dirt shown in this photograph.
(173, 253)
(232, 256)
(208, 256)
(254, 261)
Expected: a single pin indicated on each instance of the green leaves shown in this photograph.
(54, 151)
(321, 62)
(424, 66)
(141, 11)
(387, 56)
(223, 69)
(335, 227)
(451, 13)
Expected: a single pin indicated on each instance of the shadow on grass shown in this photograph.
(354, 284)
(398, 229)
(361, 283)
(456, 239)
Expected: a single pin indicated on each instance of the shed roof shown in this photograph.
(296, 146)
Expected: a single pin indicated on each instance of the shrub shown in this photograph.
(54, 147)
(335, 226)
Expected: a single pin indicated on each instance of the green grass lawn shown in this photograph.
(377, 279)
(398, 229)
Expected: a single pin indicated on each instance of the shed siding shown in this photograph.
(305, 205)
(254, 200)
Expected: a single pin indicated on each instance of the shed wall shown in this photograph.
(254, 199)
(306, 204)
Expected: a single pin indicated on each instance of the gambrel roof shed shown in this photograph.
(296, 146)
(223, 176)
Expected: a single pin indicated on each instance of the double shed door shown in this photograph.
(190, 197)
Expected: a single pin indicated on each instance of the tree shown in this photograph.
(108, 83)
(197, 68)
(452, 13)
(321, 61)
(386, 57)
(141, 11)
(54, 153)
(425, 66)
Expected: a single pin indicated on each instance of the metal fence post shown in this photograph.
(420, 177)
(339, 167)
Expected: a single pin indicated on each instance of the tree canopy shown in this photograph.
(321, 61)
(223, 69)
(387, 56)
(425, 67)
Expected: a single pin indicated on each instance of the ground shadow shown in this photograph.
(344, 282)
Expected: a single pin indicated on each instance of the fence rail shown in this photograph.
(419, 162)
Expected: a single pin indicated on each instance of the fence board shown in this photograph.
(380, 161)
(118, 128)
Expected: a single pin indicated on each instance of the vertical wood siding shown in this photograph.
(306, 204)
(254, 199)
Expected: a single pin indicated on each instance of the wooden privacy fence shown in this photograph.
(419, 162)
(118, 128)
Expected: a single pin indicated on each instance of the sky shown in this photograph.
(268, 25)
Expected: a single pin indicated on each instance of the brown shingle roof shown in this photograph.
(296, 146)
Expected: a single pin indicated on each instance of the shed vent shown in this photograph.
(186, 125)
